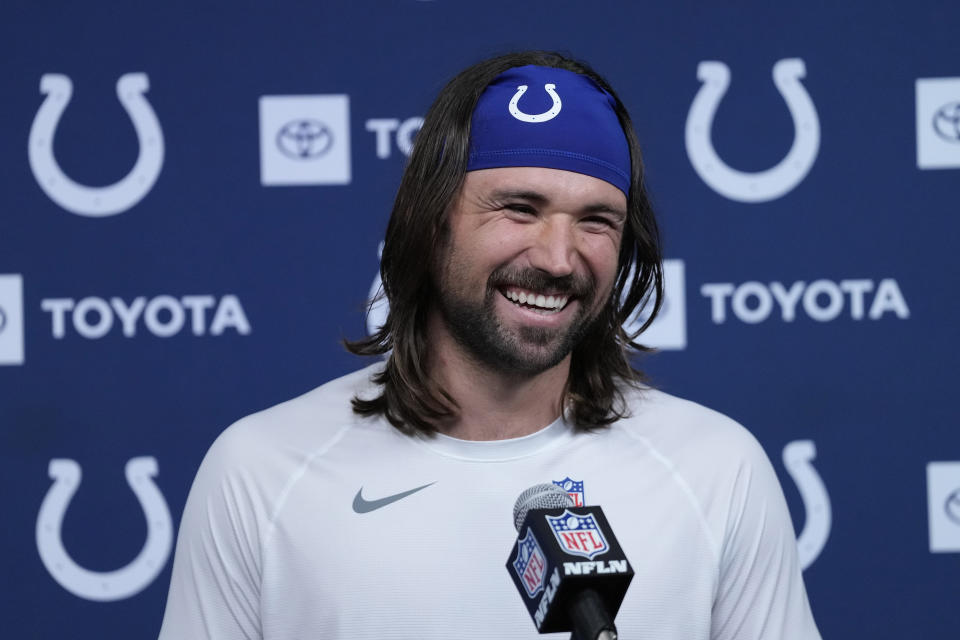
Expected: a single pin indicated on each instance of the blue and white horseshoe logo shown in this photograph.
(96, 201)
(549, 114)
(109, 585)
(762, 185)
(797, 458)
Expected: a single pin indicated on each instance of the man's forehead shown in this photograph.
(546, 186)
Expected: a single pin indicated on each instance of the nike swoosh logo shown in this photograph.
(366, 506)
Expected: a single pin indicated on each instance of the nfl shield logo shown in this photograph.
(578, 534)
(530, 564)
(574, 489)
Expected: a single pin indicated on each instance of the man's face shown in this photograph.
(529, 261)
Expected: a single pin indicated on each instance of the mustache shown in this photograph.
(536, 280)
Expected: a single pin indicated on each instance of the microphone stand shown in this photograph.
(590, 618)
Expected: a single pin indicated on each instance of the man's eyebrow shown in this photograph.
(519, 194)
(539, 198)
(603, 207)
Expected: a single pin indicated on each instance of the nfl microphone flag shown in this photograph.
(561, 554)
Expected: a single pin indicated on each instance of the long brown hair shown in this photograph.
(600, 363)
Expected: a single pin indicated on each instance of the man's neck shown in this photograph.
(495, 405)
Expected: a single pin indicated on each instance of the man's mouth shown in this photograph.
(538, 302)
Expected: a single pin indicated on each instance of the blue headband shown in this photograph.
(545, 117)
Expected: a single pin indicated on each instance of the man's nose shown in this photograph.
(554, 247)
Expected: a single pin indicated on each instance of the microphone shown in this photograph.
(567, 565)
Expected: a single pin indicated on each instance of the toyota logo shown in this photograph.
(304, 139)
(952, 506)
(946, 122)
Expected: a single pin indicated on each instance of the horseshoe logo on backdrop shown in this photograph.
(762, 185)
(797, 458)
(109, 585)
(549, 114)
(96, 201)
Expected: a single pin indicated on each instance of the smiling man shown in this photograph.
(545, 240)
(526, 268)
(378, 505)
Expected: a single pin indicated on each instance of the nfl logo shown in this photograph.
(578, 534)
(574, 489)
(530, 564)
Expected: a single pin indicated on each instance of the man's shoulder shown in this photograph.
(330, 402)
(682, 428)
(707, 453)
(303, 423)
(647, 404)
(248, 468)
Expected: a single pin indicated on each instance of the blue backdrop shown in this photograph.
(194, 251)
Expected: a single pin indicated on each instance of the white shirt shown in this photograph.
(270, 546)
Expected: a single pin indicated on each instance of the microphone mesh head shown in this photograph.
(540, 496)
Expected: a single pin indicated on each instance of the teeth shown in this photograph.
(549, 303)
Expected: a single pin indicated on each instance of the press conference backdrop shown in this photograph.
(193, 199)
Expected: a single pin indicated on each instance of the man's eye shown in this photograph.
(600, 221)
(520, 208)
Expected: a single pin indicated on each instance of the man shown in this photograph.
(378, 505)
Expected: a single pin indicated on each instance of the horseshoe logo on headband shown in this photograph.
(762, 185)
(109, 585)
(550, 114)
(96, 201)
(797, 458)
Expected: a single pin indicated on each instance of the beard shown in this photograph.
(524, 350)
